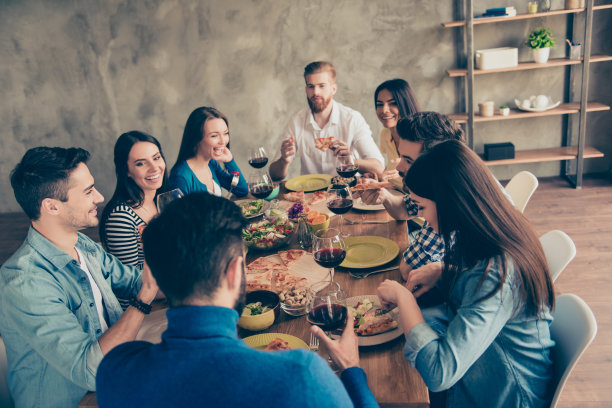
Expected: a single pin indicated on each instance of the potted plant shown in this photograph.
(541, 41)
(504, 110)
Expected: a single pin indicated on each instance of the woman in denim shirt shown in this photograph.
(489, 344)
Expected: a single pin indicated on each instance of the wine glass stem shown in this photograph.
(331, 274)
(341, 222)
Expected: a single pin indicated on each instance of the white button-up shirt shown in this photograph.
(344, 124)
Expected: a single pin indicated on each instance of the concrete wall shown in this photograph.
(81, 73)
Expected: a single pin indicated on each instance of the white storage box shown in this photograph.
(493, 58)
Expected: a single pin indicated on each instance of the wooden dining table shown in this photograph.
(394, 383)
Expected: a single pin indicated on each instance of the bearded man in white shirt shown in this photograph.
(325, 119)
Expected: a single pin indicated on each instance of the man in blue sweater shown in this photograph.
(194, 250)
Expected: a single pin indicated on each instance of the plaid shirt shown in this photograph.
(426, 245)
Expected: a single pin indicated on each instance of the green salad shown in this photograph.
(267, 234)
(251, 207)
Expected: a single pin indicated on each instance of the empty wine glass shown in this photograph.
(329, 249)
(339, 201)
(166, 198)
(258, 157)
(260, 185)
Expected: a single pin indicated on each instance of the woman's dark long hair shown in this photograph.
(194, 131)
(470, 203)
(402, 93)
(127, 191)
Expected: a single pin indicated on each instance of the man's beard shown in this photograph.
(241, 300)
(318, 107)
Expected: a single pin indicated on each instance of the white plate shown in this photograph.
(551, 105)
(360, 205)
(377, 338)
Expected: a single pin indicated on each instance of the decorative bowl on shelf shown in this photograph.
(538, 103)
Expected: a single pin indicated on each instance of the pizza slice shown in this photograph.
(373, 324)
(277, 344)
(295, 196)
(317, 197)
(324, 143)
(375, 185)
(282, 280)
(264, 264)
(259, 282)
(291, 256)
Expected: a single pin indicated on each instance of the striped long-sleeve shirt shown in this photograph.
(123, 239)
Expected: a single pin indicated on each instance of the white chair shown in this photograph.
(521, 187)
(5, 396)
(573, 330)
(559, 250)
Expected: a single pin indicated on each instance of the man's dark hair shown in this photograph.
(429, 128)
(191, 243)
(43, 173)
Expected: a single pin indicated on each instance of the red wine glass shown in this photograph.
(339, 201)
(327, 306)
(258, 157)
(329, 249)
(260, 185)
(346, 166)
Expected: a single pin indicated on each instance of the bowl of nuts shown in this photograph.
(294, 300)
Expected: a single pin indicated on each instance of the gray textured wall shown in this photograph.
(81, 73)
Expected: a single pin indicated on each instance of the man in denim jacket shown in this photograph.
(58, 310)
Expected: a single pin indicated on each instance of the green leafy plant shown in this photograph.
(503, 107)
(541, 38)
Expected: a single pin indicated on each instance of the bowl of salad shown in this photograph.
(268, 234)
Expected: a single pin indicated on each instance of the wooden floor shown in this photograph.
(586, 215)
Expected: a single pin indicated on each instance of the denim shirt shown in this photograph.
(49, 321)
(486, 353)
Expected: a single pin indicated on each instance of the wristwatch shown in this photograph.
(140, 305)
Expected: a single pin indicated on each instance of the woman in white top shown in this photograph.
(394, 99)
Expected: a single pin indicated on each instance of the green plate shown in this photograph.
(260, 341)
(309, 182)
(368, 251)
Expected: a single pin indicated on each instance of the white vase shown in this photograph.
(540, 55)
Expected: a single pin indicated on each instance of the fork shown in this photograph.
(362, 275)
(350, 222)
(314, 343)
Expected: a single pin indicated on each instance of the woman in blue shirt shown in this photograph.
(206, 143)
(489, 344)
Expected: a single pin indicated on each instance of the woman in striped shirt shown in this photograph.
(141, 175)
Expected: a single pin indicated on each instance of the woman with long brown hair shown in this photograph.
(489, 344)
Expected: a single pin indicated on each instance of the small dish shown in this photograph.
(264, 320)
(294, 301)
(520, 105)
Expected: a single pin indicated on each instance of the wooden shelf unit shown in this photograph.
(562, 109)
(547, 155)
(569, 150)
(490, 20)
(522, 66)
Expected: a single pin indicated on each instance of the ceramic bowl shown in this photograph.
(274, 193)
(264, 320)
(322, 226)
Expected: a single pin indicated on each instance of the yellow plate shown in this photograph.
(260, 341)
(368, 251)
(309, 182)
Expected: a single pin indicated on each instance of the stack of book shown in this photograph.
(499, 12)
